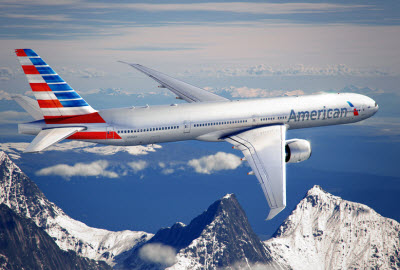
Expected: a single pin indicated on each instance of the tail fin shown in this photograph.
(58, 102)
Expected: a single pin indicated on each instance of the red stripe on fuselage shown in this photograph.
(355, 112)
(39, 87)
(30, 70)
(75, 119)
(51, 103)
(95, 135)
(20, 52)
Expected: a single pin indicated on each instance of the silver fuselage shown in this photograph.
(213, 121)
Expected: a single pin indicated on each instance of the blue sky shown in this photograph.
(237, 49)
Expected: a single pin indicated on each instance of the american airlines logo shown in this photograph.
(320, 114)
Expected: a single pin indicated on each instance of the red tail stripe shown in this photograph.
(75, 119)
(39, 87)
(51, 103)
(20, 52)
(97, 135)
(30, 70)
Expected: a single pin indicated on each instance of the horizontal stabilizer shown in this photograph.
(48, 137)
(31, 106)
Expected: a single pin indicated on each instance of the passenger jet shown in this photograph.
(257, 127)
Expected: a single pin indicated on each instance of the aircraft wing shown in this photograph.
(183, 90)
(264, 149)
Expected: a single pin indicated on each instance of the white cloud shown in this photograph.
(241, 7)
(138, 165)
(82, 73)
(4, 95)
(159, 254)
(263, 70)
(167, 171)
(79, 146)
(96, 168)
(246, 92)
(217, 162)
(13, 117)
(5, 73)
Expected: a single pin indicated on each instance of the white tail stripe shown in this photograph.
(35, 79)
(45, 95)
(25, 61)
(67, 111)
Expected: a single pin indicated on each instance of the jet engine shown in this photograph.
(297, 150)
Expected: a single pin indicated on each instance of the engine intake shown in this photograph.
(297, 150)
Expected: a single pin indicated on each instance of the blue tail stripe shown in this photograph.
(74, 103)
(53, 79)
(45, 70)
(30, 52)
(60, 87)
(38, 61)
(67, 95)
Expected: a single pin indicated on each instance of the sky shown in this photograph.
(236, 49)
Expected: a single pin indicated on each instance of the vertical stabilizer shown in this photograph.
(58, 102)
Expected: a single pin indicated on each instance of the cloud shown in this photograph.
(219, 161)
(241, 7)
(42, 17)
(158, 254)
(82, 73)
(246, 92)
(263, 70)
(4, 95)
(167, 171)
(5, 73)
(138, 165)
(79, 146)
(96, 168)
(7, 117)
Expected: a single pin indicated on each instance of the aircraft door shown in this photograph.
(109, 133)
(186, 126)
(254, 120)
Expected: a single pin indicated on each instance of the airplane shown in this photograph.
(257, 127)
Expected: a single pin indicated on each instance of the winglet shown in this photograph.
(274, 211)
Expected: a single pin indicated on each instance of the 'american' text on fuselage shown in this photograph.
(317, 114)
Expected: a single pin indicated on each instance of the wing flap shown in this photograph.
(48, 137)
(183, 90)
(264, 149)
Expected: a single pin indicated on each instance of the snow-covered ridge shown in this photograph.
(23, 196)
(327, 232)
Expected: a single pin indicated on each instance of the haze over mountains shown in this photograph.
(323, 232)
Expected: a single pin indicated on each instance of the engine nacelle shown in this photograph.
(297, 150)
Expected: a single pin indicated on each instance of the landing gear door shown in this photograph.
(110, 133)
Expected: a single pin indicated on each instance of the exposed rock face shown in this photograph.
(23, 245)
(327, 232)
(220, 238)
(23, 196)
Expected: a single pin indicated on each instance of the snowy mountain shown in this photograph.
(327, 232)
(22, 195)
(23, 245)
(219, 238)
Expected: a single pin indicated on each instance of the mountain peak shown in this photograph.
(328, 232)
(24, 197)
(218, 238)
